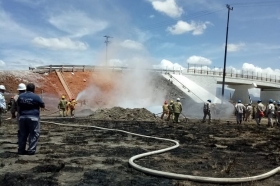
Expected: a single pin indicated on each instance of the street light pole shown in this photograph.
(107, 42)
(225, 57)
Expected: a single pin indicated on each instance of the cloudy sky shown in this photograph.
(155, 32)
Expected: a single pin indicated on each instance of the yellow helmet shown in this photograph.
(63, 97)
(171, 101)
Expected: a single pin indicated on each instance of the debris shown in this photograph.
(221, 146)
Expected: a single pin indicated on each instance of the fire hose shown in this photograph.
(170, 174)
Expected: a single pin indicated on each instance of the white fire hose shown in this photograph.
(170, 174)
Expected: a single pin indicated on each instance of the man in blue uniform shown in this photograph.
(29, 105)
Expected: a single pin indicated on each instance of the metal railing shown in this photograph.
(231, 74)
(190, 70)
(172, 77)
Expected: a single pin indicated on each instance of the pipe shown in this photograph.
(170, 174)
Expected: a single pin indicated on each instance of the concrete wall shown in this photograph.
(266, 95)
(207, 82)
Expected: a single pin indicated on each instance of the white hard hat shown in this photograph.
(21, 86)
(178, 99)
(2, 87)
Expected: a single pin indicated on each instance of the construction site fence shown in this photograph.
(190, 70)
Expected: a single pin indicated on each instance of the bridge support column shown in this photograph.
(241, 92)
(267, 94)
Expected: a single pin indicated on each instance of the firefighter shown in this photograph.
(259, 112)
(177, 109)
(171, 113)
(71, 107)
(207, 111)
(270, 111)
(239, 110)
(62, 106)
(165, 110)
(249, 111)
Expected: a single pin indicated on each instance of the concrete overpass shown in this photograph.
(197, 83)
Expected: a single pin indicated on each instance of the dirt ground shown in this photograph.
(88, 156)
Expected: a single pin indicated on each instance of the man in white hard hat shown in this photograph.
(239, 110)
(177, 109)
(2, 101)
(21, 89)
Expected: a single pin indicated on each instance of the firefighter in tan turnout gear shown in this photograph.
(62, 106)
(71, 107)
(171, 112)
(165, 110)
(177, 109)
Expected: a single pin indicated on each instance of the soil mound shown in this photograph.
(118, 113)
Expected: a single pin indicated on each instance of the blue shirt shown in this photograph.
(29, 104)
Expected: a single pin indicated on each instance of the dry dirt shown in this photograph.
(88, 156)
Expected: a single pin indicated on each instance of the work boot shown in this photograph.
(22, 152)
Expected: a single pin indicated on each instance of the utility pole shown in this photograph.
(225, 57)
(107, 42)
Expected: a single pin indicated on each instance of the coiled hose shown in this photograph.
(169, 174)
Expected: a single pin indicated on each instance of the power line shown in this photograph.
(260, 3)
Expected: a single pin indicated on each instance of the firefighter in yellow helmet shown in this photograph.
(72, 105)
(62, 106)
(171, 113)
(177, 109)
(165, 110)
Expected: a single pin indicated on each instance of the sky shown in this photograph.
(157, 33)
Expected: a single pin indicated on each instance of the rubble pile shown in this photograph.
(118, 113)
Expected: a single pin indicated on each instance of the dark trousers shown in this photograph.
(176, 117)
(28, 128)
